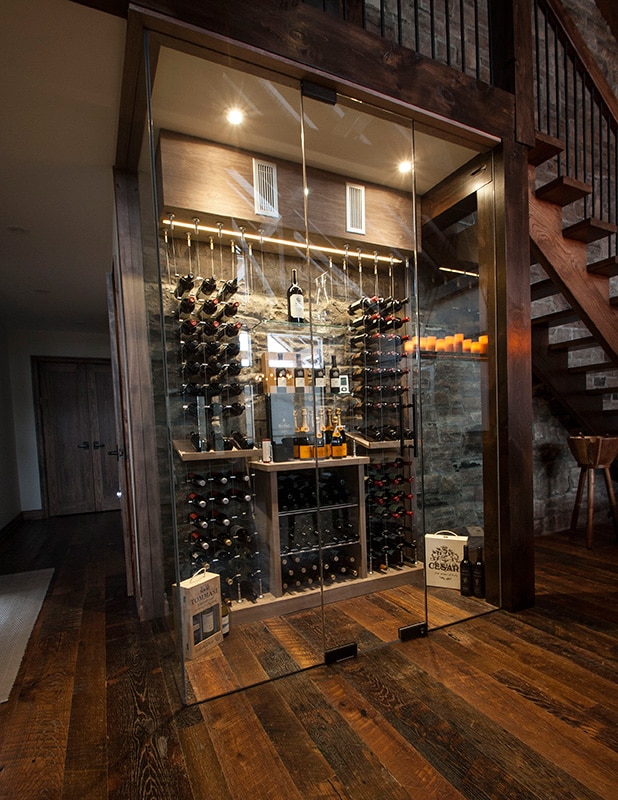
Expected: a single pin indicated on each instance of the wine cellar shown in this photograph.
(324, 354)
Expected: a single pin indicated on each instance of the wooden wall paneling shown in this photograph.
(513, 377)
(141, 438)
(103, 436)
(195, 176)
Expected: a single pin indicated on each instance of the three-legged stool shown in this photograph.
(593, 452)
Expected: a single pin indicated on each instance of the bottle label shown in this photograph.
(267, 451)
(297, 306)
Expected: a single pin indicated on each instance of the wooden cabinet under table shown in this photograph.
(276, 519)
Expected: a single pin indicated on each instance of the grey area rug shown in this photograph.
(21, 598)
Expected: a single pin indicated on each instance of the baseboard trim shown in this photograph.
(11, 526)
(35, 513)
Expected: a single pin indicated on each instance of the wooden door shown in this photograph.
(77, 429)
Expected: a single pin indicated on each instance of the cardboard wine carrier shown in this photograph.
(443, 555)
(200, 612)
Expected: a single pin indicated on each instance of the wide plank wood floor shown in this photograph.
(500, 706)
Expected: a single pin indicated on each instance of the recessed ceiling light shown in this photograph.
(405, 167)
(235, 116)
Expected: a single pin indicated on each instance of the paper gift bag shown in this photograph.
(443, 555)
(200, 612)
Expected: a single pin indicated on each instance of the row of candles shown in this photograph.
(457, 343)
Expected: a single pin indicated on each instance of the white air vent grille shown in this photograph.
(265, 192)
(355, 208)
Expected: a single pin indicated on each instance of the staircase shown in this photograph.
(573, 231)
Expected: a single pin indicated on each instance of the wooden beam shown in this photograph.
(513, 379)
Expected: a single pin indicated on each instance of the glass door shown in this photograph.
(361, 222)
(456, 268)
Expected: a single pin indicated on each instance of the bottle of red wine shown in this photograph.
(185, 284)
(334, 379)
(465, 574)
(296, 300)
(478, 575)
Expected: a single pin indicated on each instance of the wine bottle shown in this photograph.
(185, 284)
(229, 330)
(227, 310)
(227, 289)
(196, 479)
(319, 378)
(299, 375)
(185, 307)
(338, 443)
(465, 574)
(393, 305)
(478, 575)
(197, 500)
(233, 410)
(225, 618)
(189, 326)
(367, 304)
(198, 520)
(334, 378)
(296, 300)
(207, 286)
(209, 306)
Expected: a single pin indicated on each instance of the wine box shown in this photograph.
(199, 598)
(443, 555)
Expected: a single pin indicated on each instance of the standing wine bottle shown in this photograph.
(299, 375)
(334, 378)
(478, 575)
(296, 300)
(465, 574)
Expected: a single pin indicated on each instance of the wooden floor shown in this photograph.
(500, 706)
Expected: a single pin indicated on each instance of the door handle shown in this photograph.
(118, 452)
(97, 445)
(84, 446)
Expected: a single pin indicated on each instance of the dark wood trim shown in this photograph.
(513, 379)
(140, 437)
(290, 39)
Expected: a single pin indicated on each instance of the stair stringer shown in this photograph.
(565, 261)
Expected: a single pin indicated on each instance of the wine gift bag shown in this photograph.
(443, 555)
(200, 612)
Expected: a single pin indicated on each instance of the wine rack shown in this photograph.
(315, 529)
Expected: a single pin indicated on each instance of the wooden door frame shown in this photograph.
(39, 428)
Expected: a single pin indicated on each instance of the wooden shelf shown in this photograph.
(370, 445)
(271, 606)
(184, 450)
(322, 463)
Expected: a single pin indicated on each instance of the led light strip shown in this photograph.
(172, 223)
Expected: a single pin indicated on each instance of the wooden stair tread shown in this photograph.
(560, 317)
(599, 366)
(544, 288)
(607, 267)
(545, 147)
(589, 230)
(563, 190)
(573, 344)
(602, 390)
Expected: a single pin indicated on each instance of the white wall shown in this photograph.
(22, 344)
(10, 504)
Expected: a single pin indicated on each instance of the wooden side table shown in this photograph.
(593, 452)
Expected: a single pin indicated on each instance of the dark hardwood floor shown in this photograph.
(500, 706)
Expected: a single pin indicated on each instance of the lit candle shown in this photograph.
(458, 339)
(466, 346)
(440, 346)
(483, 341)
(423, 343)
(431, 343)
(476, 347)
(449, 344)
